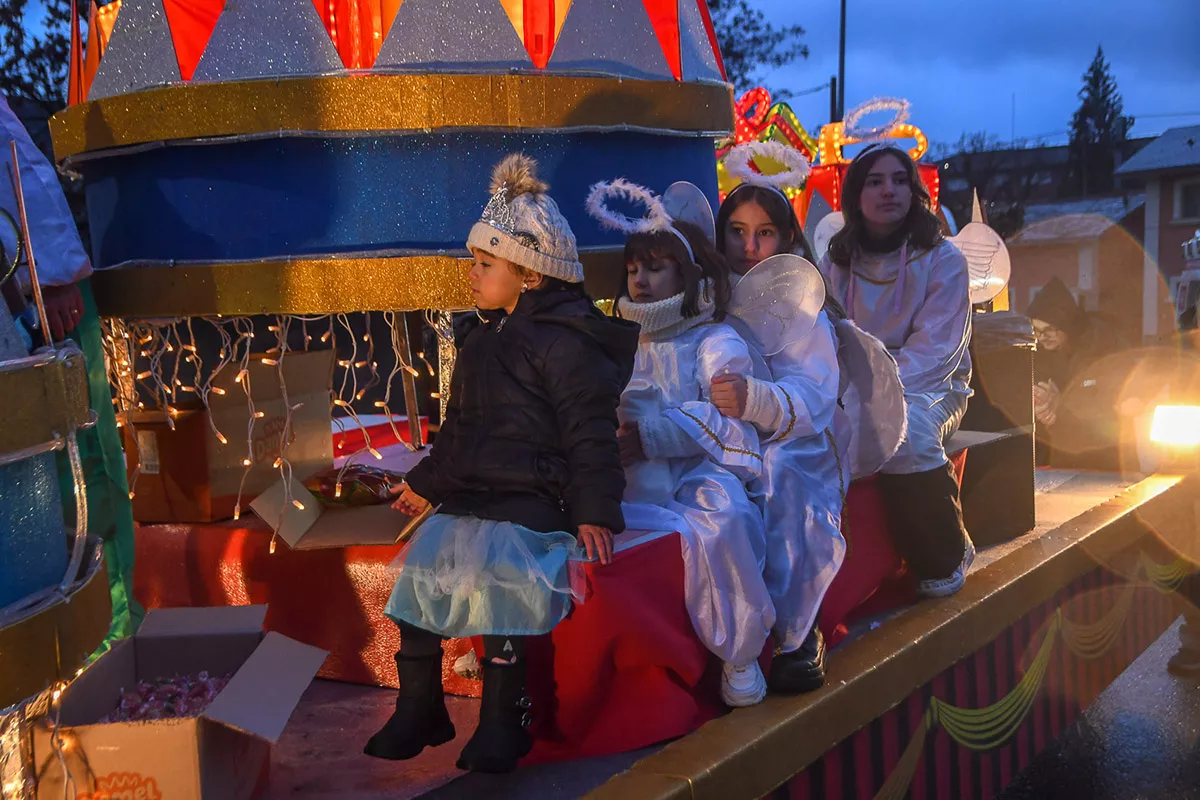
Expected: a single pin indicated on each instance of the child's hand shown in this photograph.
(629, 441)
(597, 541)
(409, 501)
(728, 393)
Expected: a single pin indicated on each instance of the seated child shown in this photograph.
(526, 474)
(807, 468)
(899, 279)
(686, 464)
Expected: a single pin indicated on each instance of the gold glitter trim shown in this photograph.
(715, 438)
(390, 103)
(873, 280)
(308, 286)
(301, 286)
(50, 645)
(791, 413)
(40, 403)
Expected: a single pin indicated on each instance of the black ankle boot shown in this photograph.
(802, 670)
(504, 715)
(420, 719)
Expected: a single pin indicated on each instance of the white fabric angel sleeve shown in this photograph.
(801, 399)
(56, 245)
(941, 324)
(729, 442)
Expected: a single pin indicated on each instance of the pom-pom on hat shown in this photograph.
(522, 223)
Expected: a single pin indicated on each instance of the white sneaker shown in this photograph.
(742, 686)
(467, 666)
(944, 587)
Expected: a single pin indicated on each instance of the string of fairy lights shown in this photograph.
(159, 365)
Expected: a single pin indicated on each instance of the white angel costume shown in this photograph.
(805, 473)
(919, 305)
(692, 480)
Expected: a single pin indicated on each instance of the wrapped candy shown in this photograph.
(169, 698)
(361, 485)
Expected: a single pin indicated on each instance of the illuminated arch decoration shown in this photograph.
(826, 178)
(757, 119)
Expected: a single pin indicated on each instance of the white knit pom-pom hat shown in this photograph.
(522, 223)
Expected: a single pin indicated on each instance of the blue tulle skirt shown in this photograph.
(463, 576)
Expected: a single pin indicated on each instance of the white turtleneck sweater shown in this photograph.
(669, 393)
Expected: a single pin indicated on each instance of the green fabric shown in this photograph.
(110, 512)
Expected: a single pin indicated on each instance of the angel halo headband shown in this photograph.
(656, 219)
(793, 176)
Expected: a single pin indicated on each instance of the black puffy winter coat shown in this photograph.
(530, 429)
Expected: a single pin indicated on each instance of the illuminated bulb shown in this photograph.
(298, 505)
(57, 694)
(218, 390)
(337, 489)
(271, 548)
(141, 404)
(380, 404)
(259, 414)
(273, 328)
(270, 362)
(170, 349)
(341, 402)
(190, 348)
(325, 336)
(366, 337)
(221, 438)
(131, 495)
(435, 395)
(343, 363)
(245, 463)
(376, 453)
(237, 512)
(141, 376)
(278, 463)
(359, 396)
(411, 370)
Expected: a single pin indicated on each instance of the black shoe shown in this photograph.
(504, 715)
(802, 670)
(420, 719)
(1184, 664)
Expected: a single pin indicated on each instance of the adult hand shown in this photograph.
(597, 541)
(728, 393)
(64, 309)
(1045, 402)
(409, 501)
(629, 442)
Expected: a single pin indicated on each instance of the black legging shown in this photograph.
(419, 643)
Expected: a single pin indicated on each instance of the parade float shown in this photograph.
(278, 193)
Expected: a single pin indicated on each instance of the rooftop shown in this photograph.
(1177, 148)
(1074, 220)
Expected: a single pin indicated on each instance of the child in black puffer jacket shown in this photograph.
(525, 472)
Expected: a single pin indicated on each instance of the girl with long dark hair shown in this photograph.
(899, 279)
(797, 416)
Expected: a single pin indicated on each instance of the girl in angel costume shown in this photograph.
(829, 409)
(901, 280)
(525, 473)
(686, 464)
